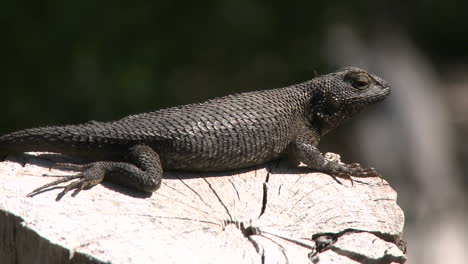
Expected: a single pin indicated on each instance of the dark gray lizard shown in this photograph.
(231, 132)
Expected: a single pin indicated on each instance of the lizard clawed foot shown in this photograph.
(346, 171)
(90, 175)
(356, 170)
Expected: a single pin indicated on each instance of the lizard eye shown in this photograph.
(360, 84)
(359, 81)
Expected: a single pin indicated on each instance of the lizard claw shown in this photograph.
(346, 171)
(90, 175)
(343, 175)
(54, 183)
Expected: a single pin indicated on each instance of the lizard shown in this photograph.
(225, 133)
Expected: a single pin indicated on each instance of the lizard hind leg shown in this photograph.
(142, 172)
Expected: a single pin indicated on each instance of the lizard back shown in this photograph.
(229, 132)
(224, 133)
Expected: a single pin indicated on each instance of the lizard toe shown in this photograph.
(71, 166)
(91, 175)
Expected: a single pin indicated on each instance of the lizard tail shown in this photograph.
(70, 139)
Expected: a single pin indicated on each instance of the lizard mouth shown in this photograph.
(376, 95)
(379, 95)
(385, 92)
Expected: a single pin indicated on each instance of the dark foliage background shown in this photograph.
(72, 61)
(69, 61)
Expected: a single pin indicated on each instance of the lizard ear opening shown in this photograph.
(332, 105)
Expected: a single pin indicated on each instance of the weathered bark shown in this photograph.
(268, 214)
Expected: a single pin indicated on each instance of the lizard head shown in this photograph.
(342, 94)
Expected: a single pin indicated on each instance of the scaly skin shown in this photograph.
(231, 132)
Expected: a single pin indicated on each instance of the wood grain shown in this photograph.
(267, 214)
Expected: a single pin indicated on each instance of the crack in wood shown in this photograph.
(301, 244)
(219, 198)
(265, 194)
(235, 189)
(386, 259)
(326, 241)
(195, 192)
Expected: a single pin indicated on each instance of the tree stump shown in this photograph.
(266, 214)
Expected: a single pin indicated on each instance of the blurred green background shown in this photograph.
(72, 61)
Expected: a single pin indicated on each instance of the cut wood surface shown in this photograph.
(267, 214)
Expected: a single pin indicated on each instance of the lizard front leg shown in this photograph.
(304, 148)
(142, 172)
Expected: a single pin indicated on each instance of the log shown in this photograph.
(267, 214)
